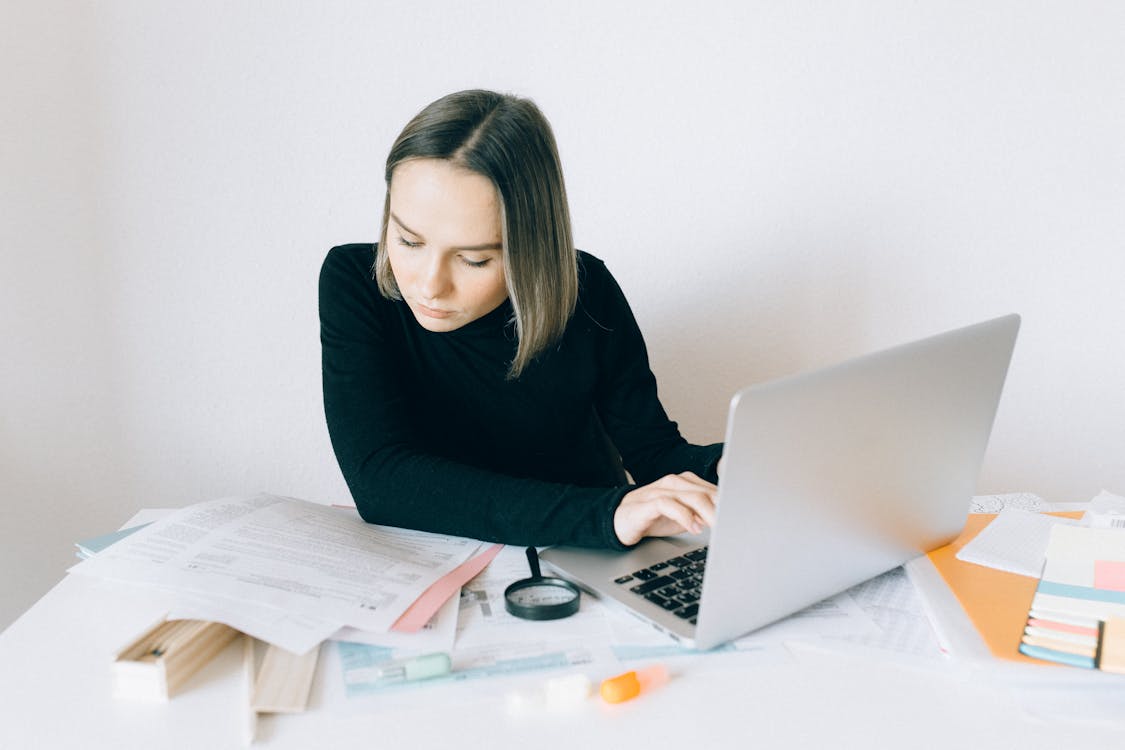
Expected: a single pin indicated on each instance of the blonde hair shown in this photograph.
(509, 141)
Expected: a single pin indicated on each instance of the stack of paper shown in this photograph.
(286, 571)
(87, 548)
(1077, 616)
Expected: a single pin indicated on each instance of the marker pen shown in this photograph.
(417, 668)
(627, 686)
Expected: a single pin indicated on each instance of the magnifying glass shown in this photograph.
(539, 597)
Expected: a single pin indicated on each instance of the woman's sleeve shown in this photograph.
(649, 442)
(393, 483)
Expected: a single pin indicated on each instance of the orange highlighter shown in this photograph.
(627, 686)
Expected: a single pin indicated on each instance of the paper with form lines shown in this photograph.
(1016, 542)
(300, 558)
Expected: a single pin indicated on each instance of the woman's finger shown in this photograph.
(671, 505)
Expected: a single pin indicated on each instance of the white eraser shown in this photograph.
(566, 692)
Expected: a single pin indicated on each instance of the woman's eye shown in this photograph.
(407, 243)
(475, 263)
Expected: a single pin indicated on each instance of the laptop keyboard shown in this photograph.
(674, 584)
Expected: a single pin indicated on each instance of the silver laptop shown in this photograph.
(829, 478)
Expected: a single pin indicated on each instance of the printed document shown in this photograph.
(303, 558)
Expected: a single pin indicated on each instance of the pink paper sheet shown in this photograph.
(424, 607)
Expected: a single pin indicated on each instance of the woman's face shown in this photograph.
(443, 243)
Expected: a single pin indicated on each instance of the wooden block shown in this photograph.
(284, 681)
(160, 660)
(249, 672)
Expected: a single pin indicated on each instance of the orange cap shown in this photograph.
(621, 688)
(627, 686)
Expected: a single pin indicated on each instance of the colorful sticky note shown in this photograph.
(1109, 574)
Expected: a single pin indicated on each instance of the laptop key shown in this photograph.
(644, 575)
(657, 599)
(688, 612)
(658, 566)
(623, 579)
(653, 585)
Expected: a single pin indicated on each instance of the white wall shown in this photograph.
(777, 187)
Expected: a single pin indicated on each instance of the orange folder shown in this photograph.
(996, 601)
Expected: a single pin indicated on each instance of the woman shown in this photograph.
(481, 376)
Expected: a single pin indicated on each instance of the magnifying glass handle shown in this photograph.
(533, 562)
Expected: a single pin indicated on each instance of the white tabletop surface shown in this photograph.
(56, 692)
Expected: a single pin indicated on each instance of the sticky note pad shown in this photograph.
(1109, 574)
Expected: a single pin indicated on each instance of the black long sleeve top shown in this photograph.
(431, 434)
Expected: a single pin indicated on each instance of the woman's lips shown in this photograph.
(431, 312)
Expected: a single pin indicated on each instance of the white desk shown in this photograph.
(55, 692)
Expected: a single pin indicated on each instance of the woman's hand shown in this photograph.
(670, 505)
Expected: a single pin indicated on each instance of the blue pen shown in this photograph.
(416, 668)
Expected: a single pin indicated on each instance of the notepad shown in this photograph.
(1077, 616)
(1015, 541)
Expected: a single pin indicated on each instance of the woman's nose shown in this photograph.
(435, 279)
